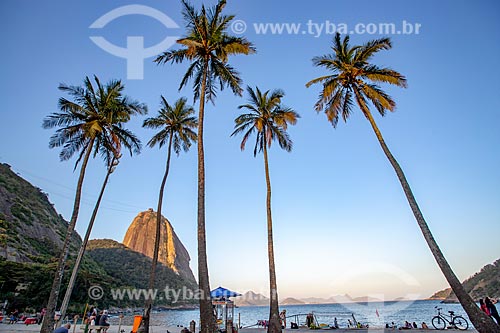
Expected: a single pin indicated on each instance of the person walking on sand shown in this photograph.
(493, 310)
(483, 307)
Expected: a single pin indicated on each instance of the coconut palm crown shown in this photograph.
(96, 114)
(176, 121)
(267, 118)
(208, 46)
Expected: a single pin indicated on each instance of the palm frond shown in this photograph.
(226, 75)
(268, 119)
(384, 75)
(176, 56)
(350, 73)
(365, 52)
(379, 98)
(176, 122)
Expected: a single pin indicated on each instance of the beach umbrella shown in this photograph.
(223, 293)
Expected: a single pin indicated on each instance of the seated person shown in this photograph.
(63, 329)
(424, 326)
(13, 317)
(407, 326)
(103, 321)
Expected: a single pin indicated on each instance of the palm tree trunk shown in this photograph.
(72, 280)
(481, 322)
(207, 319)
(48, 319)
(274, 320)
(154, 263)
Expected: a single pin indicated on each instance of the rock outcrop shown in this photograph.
(140, 237)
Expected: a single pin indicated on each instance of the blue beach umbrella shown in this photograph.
(223, 293)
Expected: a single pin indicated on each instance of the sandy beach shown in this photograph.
(165, 329)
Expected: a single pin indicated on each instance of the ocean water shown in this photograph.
(366, 313)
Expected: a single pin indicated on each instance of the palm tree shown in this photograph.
(353, 77)
(114, 138)
(269, 120)
(177, 127)
(89, 123)
(207, 47)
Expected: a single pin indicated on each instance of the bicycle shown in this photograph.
(439, 321)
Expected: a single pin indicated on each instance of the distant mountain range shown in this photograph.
(484, 283)
(251, 298)
(291, 301)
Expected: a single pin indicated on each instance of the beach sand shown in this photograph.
(163, 329)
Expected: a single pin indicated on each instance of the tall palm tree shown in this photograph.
(177, 128)
(269, 120)
(88, 124)
(207, 46)
(354, 78)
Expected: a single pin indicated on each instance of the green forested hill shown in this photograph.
(31, 237)
(31, 229)
(131, 269)
(484, 283)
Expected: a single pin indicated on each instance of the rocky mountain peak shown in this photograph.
(140, 237)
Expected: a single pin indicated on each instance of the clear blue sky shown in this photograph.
(342, 224)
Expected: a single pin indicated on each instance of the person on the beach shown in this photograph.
(309, 320)
(283, 318)
(98, 318)
(493, 310)
(484, 307)
(42, 314)
(424, 326)
(407, 326)
(335, 323)
(103, 321)
(92, 319)
(63, 329)
(13, 316)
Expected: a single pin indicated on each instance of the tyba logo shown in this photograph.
(135, 52)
